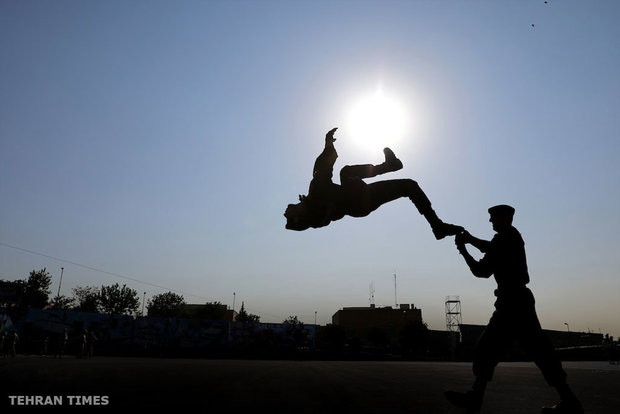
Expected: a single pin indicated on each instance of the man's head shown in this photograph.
(297, 215)
(501, 217)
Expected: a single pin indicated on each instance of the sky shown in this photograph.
(157, 144)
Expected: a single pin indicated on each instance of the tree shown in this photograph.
(296, 331)
(292, 320)
(12, 298)
(37, 289)
(62, 302)
(165, 305)
(87, 299)
(12, 292)
(243, 316)
(119, 300)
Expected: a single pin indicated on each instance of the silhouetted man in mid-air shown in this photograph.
(514, 317)
(327, 202)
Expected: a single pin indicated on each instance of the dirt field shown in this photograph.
(234, 386)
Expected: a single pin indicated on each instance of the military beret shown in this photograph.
(502, 209)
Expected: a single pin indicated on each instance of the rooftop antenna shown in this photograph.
(395, 300)
(62, 270)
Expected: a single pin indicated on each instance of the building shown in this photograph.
(368, 323)
(212, 311)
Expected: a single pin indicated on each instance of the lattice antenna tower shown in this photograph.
(453, 314)
(371, 297)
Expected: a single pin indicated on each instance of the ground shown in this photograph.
(235, 386)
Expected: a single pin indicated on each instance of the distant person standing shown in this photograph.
(63, 338)
(90, 343)
(44, 346)
(83, 344)
(2, 340)
(13, 343)
(610, 349)
(514, 318)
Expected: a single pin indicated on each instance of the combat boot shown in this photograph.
(391, 162)
(441, 229)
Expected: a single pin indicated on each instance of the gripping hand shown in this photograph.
(460, 239)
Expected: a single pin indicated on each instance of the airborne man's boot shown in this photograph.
(423, 204)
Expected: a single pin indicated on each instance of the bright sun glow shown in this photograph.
(377, 120)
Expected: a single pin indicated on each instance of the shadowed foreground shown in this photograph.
(295, 386)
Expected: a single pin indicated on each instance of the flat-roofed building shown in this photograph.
(359, 322)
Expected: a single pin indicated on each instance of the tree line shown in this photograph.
(34, 292)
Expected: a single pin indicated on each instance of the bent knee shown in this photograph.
(412, 185)
(349, 171)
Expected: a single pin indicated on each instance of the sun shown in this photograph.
(377, 120)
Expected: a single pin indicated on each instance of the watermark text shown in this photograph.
(42, 400)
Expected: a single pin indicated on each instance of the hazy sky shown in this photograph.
(161, 141)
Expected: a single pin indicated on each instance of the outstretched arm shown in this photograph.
(480, 268)
(482, 245)
(324, 164)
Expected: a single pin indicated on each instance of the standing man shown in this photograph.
(2, 338)
(514, 318)
(90, 343)
(62, 343)
(14, 338)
